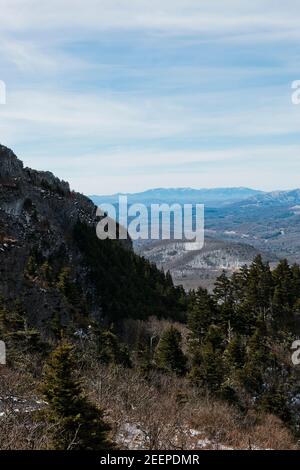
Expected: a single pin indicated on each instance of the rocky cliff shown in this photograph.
(51, 261)
(37, 216)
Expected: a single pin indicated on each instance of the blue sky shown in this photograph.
(125, 95)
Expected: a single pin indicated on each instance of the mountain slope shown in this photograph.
(192, 268)
(272, 199)
(53, 264)
(269, 221)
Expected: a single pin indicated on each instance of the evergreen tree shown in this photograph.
(283, 297)
(240, 335)
(201, 315)
(15, 331)
(168, 354)
(259, 286)
(207, 368)
(295, 272)
(46, 271)
(56, 326)
(275, 400)
(112, 351)
(3, 316)
(258, 359)
(31, 268)
(223, 294)
(239, 282)
(223, 291)
(65, 283)
(234, 355)
(129, 286)
(79, 423)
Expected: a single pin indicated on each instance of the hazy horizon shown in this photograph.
(193, 189)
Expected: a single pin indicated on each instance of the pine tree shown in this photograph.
(112, 351)
(46, 271)
(239, 281)
(283, 297)
(258, 359)
(207, 369)
(223, 294)
(295, 271)
(78, 423)
(56, 325)
(223, 289)
(201, 314)
(31, 267)
(168, 354)
(259, 286)
(16, 332)
(234, 355)
(65, 283)
(3, 314)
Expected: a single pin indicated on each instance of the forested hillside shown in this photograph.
(241, 338)
(103, 351)
(221, 378)
(52, 262)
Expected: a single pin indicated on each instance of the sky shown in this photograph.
(127, 95)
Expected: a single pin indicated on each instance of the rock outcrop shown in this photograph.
(56, 269)
(10, 166)
(37, 216)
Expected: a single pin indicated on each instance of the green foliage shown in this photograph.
(39, 269)
(259, 285)
(223, 290)
(241, 334)
(168, 354)
(202, 313)
(56, 326)
(111, 350)
(207, 367)
(234, 356)
(31, 267)
(67, 285)
(15, 331)
(46, 271)
(128, 286)
(78, 424)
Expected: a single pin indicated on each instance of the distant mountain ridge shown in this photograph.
(240, 221)
(215, 197)
(268, 221)
(273, 198)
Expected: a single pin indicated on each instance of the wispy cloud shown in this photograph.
(172, 91)
(174, 15)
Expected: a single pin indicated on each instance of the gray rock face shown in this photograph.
(47, 180)
(37, 216)
(10, 166)
(51, 197)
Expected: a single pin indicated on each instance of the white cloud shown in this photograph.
(119, 117)
(125, 136)
(165, 15)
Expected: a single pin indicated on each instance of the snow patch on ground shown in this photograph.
(131, 437)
